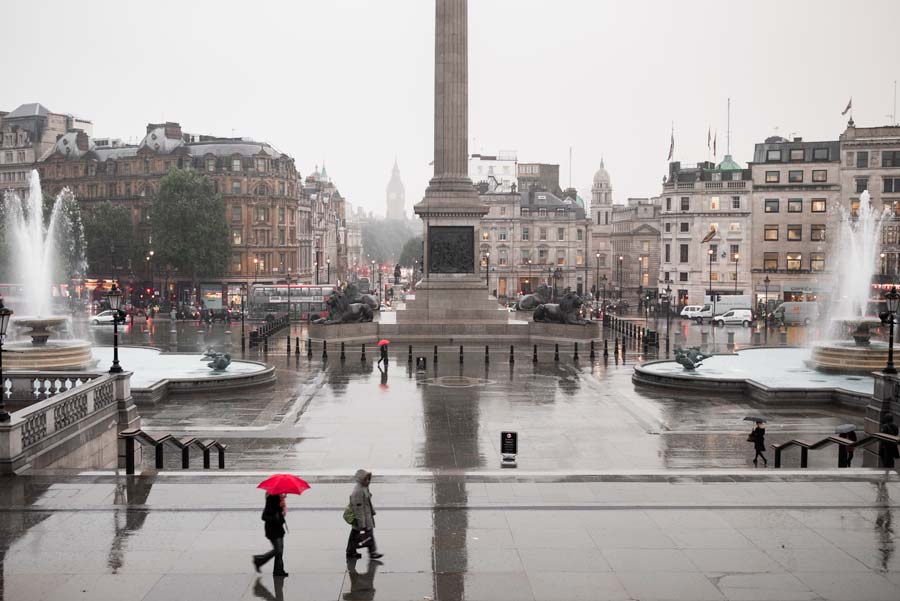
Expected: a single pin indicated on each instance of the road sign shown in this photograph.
(509, 443)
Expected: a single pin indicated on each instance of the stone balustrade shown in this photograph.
(71, 413)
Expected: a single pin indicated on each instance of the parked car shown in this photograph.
(795, 312)
(221, 315)
(691, 311)
(107, 317)
(742, 317)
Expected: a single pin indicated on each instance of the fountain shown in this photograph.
(34, 250)
(859, 242)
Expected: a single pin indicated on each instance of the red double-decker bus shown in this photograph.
(306, 300)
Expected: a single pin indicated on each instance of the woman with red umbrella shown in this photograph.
(277, 488)
(383, 345)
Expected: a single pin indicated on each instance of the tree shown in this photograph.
(190, 232)
(383, 240)
(69, 232)
(110, 239)
(412, 252)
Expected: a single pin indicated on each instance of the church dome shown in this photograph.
(601, 177)
(68, 145)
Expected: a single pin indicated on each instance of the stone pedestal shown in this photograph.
(884, 402)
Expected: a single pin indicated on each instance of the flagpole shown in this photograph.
(728, 143)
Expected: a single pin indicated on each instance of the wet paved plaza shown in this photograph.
(620, 493)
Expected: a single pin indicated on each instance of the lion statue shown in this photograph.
(355, 296)
(529, 302)
(567, 311)
(341, 310)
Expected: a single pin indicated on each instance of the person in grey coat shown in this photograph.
(362, 534)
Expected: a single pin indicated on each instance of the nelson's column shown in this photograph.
(453, 287)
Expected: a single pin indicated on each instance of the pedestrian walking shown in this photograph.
(363, 518)
(758, 438)
(384, 356)
(850, 436)
(887, 451)
(275, 528)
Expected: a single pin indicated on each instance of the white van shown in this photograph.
(743, 317)
(691, 311)
(795, 313)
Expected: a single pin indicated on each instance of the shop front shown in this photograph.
(211, 296)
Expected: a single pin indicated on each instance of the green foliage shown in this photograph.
(190, 232)
(383, 240)
(412, 252)
(110, 238)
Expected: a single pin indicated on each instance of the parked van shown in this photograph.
(795, 312)
(743, 317)
(691, 311)
(728, 303)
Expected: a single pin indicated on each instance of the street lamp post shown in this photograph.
(893, 300)
(712, 297)
(736, 258)
(487, 260)
(5, 314)
(150, 272)
(372, 281)
(243, 294)
(115, 303)
(287, 278)
(529, 276)
(328, 270)
(668, 311)
(640, 283)
(621, 260)
(255, 269)
(603, 280)
(596, 275)
(766, 283)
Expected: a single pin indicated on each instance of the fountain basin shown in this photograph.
(39, 327)
(848, 357)
(53, 355)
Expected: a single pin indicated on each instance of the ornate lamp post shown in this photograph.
(372, 278)
(621, 260)
(529, 275)
(115, 302)
(328, 270)
(5, 314)
(712, 297)
(487, 260)
(766, 283)
(737, 257)
(668, 311)
(243, 294)
(596, 274)
(603, 280)
(287, 278)
(893, 300)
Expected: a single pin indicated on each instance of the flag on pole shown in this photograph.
(708, 138)
(715, 139)
(672, 145)
(849, 106)
(712, 234)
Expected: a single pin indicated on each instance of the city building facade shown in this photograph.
(634, 243)
(328, 228)
(27, 134)
(705, 218)
(541, 176)
(795, 205)
(258, 184)
(493, 174)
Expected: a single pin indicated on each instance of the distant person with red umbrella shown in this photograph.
(383, 346)
(277, 488)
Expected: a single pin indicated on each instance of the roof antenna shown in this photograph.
(570, 166)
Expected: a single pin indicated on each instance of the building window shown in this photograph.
(817, 205)
(734, 227)
(796, 154)
(645, 246)
(771, 233)
(817, 261)
(714, 276)
(281, 236)
(862, 159)
(795, 233)
(795, 176)
(210, 165)
(542, 256)
(683, 252)
(668, 228)
(526, 255)
(236, 187)
(770, 261)
(560, 234)
(668, 203)
(713, 253)
(735, 251)
(820, 154)
(795, 205)
(503, 259)
(235, 165)
(772, 205)
(685, 203)
(714, 203)
(503, 235)
(819, 175)
(236, 213)
(236, 262)
(735, 202)
(579, 235)
(890, 158)
(817, 232)
(281, 215)
(260, 164)
(773, 177)
(503, 210)
(683, 277)
(525, 234)
(794, 261)
(668, 253)
(542, 233)
(602, 260)
(684, 227)
(862, 184)
(891, 184)
(560, 257)
(773, 155)
(262, 214)
(237, 236)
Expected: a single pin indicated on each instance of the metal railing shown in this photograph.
(845, 446)
(134, 437)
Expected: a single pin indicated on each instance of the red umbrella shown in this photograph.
(280, 484)
(383, 342)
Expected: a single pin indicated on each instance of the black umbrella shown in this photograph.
(845, 428)
(754, 418)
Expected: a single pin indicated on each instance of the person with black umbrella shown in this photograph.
(847, 431)
(758, 438)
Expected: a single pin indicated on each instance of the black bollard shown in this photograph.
(435, 355)
(616, 346)
(324, 349)
(605, 347)
(309, 347)
(343, 356)
(512, 354)
(289, 346)
(575, 356)
(487, 354)
(362, 356)
(460, 353)
(556, 352)
(266, 344)
(409, 357)
(534, 356)
(297, 345)
(592, 350)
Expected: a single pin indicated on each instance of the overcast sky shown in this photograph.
(349, 82)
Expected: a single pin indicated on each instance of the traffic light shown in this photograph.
(718, 298)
